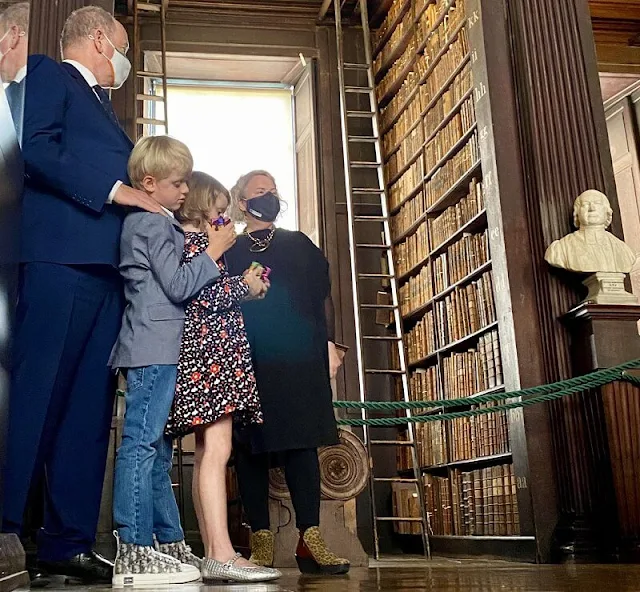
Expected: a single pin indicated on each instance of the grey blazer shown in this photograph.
(156, 287)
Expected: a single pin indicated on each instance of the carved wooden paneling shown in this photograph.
(622, 405)
(565, 151)
(47, 19)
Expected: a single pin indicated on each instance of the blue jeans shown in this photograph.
(143, 500)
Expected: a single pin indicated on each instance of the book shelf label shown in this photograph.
(521, 483)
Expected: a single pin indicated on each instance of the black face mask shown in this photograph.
(265, 207)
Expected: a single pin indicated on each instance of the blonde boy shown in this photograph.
(157, 287)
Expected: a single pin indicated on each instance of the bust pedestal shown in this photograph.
(599, 463)
(607, 287)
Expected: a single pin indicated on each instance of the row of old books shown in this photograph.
(466, 503)
(439, 443)
(439, 145)
(474, 371)
(450, 173)
(448, 102)
(417, 74)
(407, 151)
(402, 28)
(421, 340)
(443, 33)
(397, 6)
(480, 435)
(393, 75)
(413, 251)
(465, 310)
(450, 135)
(444, 226)
(459, 260)
(424, 31)
(434, 114)
(416, 292)
(465, 374)
(485, 502)
(409, 180)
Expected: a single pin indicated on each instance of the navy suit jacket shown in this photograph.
(73, 154)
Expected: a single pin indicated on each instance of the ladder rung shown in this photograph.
(365, 165)
(150, 98)
(368, 139)
(367, 246)
(390, 443)
(358, 89)
(148, 7)
(375, 276)
(365, 114)
(378, 306)
(367, 191)
(383, 371)
(382, 338)
(397, 519)
(394, 480)
(352, 66)
(145, 74)
(370, 218)
(150, 121)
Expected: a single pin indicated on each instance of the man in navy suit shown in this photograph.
(70, 295)
(14, 41)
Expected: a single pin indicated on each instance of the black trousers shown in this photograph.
(302, 473)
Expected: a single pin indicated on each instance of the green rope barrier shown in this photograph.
(565, 387)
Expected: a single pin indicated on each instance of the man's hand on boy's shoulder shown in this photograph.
(130, 197)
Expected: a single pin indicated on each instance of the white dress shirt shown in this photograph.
(20, 76)
(91, 81)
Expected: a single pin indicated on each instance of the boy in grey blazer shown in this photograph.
(156, 289)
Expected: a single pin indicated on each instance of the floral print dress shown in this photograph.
(215, 373)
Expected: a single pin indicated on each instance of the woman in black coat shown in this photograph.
(294, 355)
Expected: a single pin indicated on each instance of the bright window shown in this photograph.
(231, 131)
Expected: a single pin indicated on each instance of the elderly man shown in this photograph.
(70, 294)
(14, 31)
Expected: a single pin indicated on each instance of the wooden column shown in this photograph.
(47, 19)
(564, 151)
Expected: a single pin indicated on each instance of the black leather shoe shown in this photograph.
(39, 578)
(88, 568)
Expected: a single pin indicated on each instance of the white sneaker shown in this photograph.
(137, 565)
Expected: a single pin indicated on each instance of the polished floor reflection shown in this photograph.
(408, 575)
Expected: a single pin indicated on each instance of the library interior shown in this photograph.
(470, 169)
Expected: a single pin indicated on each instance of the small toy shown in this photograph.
(221, 221)
(264, 276)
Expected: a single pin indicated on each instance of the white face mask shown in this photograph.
(120, 65)
(2, 53)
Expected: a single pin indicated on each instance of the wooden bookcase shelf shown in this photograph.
(449, 257)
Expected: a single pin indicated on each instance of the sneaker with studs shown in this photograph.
(139, 565)
(180, 551)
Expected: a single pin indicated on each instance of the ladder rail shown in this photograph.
(386, 247)
(353, 257)
(393, 283)
(146, 100)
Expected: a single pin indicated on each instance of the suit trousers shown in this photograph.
(61, 401)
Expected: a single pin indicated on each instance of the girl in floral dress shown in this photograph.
(215, 384)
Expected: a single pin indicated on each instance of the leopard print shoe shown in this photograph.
(313, 556)
(262, 543)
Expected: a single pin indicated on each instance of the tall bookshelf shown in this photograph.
(438, 143)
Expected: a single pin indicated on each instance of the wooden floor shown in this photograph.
(409, 575)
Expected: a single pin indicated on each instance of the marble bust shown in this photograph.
(591, 248)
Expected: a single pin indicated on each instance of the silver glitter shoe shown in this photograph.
(218, 571)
